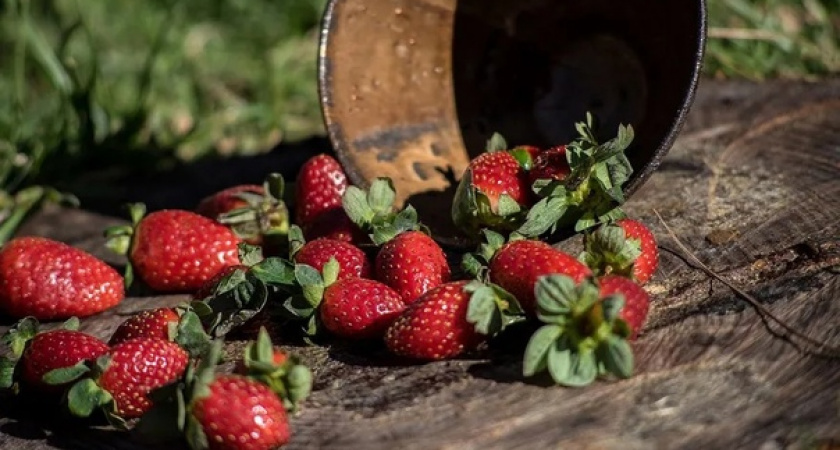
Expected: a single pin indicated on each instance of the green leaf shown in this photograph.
(616, 355)
(507, 206)
(559, 360)
(583, 369)
(296, 239)
(355, 204)
(543, 216)
(536, 353)
(71, 324)
(381, 196)
(235, 306)
(65, 375)
(556, 295)
(496, 143)
(194, 434)
(7, 372)
(190, 335)
(249, 255)
(330, 271)
(482, 311)
(299, 384)
(85, 396)
(298, 307)
(136, 211)
(406, 220)
(472, 265)
(21, 333)
(275, 272)
(611, 307)
(275, 186)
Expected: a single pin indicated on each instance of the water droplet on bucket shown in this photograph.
(401, 50)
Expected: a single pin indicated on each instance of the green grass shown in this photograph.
(110, 88)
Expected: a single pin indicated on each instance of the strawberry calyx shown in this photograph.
(265, 217)
(375, 213)
(592, 192)
(476, 263)
(608, 251)
(119, 238)
(286, 376)
(86, 396)
(583, 336)
(491, 309)
(472, 209)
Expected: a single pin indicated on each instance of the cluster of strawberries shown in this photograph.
(353, 265)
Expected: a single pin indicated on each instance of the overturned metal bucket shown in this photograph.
(412, 89)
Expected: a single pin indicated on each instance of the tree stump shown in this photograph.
(752, 186)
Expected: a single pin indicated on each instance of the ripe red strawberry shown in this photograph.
(175, 250)
(517, 266)
(256, 214)
(352, 260)
(648, 260)
(46, 279)
(412, 263)
(136, 368)
(494, 192)
(636, 300)
(550, 165)
(627, 248)
(320, 184)
(356, 308)
(57, 349)
(435, 326)
(227, 200)
(586, 328)
(151, 323)
(239, 413)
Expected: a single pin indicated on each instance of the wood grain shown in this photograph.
(752, 186)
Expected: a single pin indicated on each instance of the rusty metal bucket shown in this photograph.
(412, 89)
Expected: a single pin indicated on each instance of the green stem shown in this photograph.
(21, 13)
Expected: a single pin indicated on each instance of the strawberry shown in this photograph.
(636, 300)
(217, 412)
(352, 261)
(356, 308)
(408, 260)
(137, 367)
(46, 279)
(516, 266)
(283, 373)
(174, 250)
(120, 381)
(435, 326)
(412, 263)
(153, 323)
(586, 328)
(240, 413)
(627, 248)
(550, 164)
(320, 184)
(40, 353)
(494, 192)
(227, 200)
(257, 214)
(586, 193)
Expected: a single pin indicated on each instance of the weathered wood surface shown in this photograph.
(752, 185)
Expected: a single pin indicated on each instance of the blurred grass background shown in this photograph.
(103, 88)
